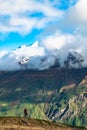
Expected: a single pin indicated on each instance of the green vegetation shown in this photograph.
(34, 111)
(59, 95)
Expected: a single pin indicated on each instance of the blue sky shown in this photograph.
(25, 21)
(14, 40)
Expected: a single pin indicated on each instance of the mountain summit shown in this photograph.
(37, 57)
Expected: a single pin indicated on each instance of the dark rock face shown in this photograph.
(73, 60)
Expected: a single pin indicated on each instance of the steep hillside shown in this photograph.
(56, 94)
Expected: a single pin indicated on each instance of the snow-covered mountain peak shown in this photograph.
(38, 57)
(35, 44)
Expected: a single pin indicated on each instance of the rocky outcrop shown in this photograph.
(75, 108)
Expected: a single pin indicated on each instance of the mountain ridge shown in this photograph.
(17, 123)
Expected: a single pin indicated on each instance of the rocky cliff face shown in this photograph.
(74, 112)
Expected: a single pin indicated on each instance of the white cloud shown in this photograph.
(73, 20)
(19, 6)
(2, 53)
(19, 22)
(80, 11)
(57, 41)
(77, 15)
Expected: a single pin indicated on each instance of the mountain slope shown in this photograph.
(54, 94)
(28, 124)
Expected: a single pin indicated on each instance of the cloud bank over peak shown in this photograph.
(44, 54)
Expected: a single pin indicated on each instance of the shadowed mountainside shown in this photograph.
(25, 83)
